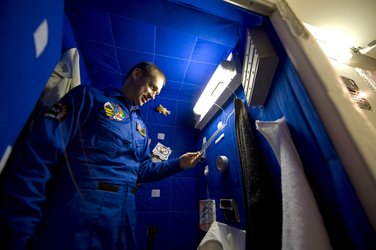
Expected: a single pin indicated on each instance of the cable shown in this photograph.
(232, 92)
(206, 145)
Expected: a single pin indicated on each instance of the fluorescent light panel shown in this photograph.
(215, 87)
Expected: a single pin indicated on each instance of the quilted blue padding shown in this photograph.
(156, 204)
(191, 93)
(174, 68)
(99, 57)
(186, 120)
(184, 140)
(175, 230)
(69, 41)
(191, 173)
(107, 79)
(179, 201)
(185, 43)
(23, 75)
(185, 231)
(153, 132)
(133, 35)
(199, 72)
(127, 58)
(215, 7)
(216, 27)
(169, 90)
(154, 117)
(209, 52)
(90, 24)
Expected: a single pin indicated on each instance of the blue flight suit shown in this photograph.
(71, 186)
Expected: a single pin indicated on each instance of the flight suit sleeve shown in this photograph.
(34, 163)
(154, 171)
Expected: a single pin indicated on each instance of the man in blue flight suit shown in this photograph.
(71, 185)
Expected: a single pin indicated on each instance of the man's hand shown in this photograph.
(189, 160)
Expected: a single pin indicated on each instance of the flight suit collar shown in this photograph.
(117, 93)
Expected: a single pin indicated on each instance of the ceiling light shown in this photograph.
(221, 86)
(221, 78)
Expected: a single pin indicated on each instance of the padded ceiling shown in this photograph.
(187, 42)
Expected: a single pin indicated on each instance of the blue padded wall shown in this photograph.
(175, 212)
(22, 74)
(69, 41)
(228, 184)
(187, 43)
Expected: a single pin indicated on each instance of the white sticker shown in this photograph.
(219, 125)
(155, 193)
(41, 38)
(161, 136)
(162, 151)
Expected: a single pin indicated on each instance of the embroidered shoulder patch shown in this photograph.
(113, 111)
(57, 112)
(140, 129)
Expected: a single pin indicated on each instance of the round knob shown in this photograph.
(222, 163)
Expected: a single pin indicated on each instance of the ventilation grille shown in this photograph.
(260, 63)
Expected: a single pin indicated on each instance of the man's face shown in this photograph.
(145, 88)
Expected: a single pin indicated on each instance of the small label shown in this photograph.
(155, 193)
(161, 136)
(41, 38)
(219, 125)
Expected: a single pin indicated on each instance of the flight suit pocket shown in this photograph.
(112, 136)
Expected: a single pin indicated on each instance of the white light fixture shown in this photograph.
(213, 93)
(216, 85)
